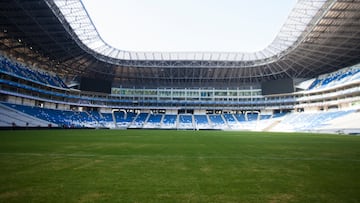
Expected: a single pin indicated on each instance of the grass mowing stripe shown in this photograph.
(138, 156)
(177, 166)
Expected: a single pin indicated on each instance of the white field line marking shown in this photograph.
(139, 156)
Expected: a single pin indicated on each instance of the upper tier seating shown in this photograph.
(18, 70)
(338, 77)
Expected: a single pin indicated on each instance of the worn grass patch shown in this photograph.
(177, 166)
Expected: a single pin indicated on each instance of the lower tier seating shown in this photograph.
(31, 116)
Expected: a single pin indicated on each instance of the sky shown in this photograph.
(189, 25)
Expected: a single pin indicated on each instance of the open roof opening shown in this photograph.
(187, 25)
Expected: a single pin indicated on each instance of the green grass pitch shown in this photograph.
(177, 166)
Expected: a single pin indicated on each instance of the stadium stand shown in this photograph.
(339, 77)
(169, 122)
(30, 116)
(217, 122)
(154, 121)
(185, 122)
(191, 90)
(16, 69)
(240, 117)
(264, 117)
(139, 120)
(231, 120)
(13, 118)
(252, 116)
(278, 115)
(57, 118)
(124, 121)
(300, 122)
(201, 122)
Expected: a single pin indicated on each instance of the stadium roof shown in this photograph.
(318, 37)
(188, 25)
(88, 34)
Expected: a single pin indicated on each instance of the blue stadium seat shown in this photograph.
(216, 119)
(169, 119)
(21, 71)
(240, 117)
(62, 118)
(201, 119)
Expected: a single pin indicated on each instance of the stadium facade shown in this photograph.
(306, 80)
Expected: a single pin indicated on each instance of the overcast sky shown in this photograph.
(189, 25)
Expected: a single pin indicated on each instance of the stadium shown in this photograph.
(59, 77)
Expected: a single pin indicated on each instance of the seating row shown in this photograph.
(18, 70)
(94, 119)
(338, 77)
